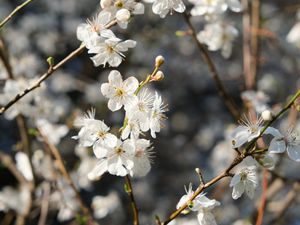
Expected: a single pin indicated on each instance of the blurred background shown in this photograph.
(198, 125)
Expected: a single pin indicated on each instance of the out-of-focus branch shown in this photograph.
(56, 154)
(46, 75)
(17, 9)
(246, 45)
(231, 106)
(134, 207)
(255, 26)
(45, 204)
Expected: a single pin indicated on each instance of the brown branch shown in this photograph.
(263, 198)
(236, 161)
(255, 18)
(45, 204)
(231, 106)
(46, 75)
(17, 9)
(129, 191)
(246, 45)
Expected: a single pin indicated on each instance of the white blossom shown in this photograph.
(247, 131)
(122, 10)
(109, 50)
(163, 7)
(245, 180)
(142, 157)
(104, 205)
(218, 36)
(118, 91)
(88, 32)
(157, 115)
(289, 141)
(201, 204)
(115, 160)
(93, 132)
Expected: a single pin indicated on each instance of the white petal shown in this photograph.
(98, 170)
(238, 190)
(115, 78)
(277, 146)
(294, 152)
(114, 105)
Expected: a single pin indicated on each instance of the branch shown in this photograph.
(17, 9)
(46, 75)
(232, 108)
(135, 210)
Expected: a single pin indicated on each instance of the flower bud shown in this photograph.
(159, 60)
(123, 15)
(267, 115)
(158, 76)
(105, 3)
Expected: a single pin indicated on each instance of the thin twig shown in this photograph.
(235, 162)
(231, 106)
(17, 9)
(135, 210)
(46, 75)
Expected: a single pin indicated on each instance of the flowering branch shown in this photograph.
(238, 159)
(46, 75)
(17, 9)
(232, 108)
(129, 191)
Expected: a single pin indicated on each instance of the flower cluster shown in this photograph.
(128, 154)
(217, 34)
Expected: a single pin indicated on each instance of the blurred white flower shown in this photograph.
(258, 100)
(53, 132)
(118, 91)
(43, 165)
(244, 180)
(15, 199)
(208, 8)
(104, 205)
(23, 165)
(293, 37)
(163, 7)
(218, 36)
(289, 142)
(10, 90)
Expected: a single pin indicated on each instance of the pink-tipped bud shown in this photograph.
(267, 115)
(159, 60)
(158, 76)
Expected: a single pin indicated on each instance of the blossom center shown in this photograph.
(101, 134)
(120, 92)
(119, 151)
(119, 4)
